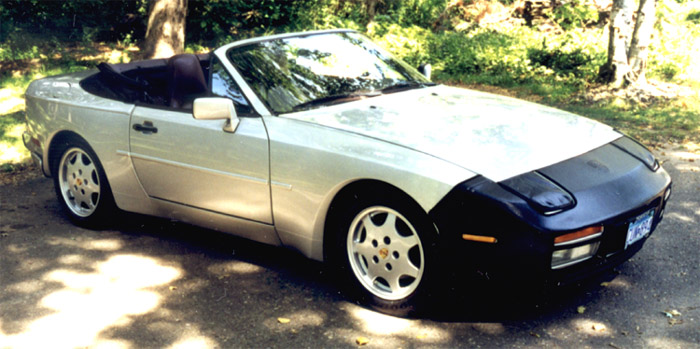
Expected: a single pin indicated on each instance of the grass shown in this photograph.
(12, 124)
(675, 122)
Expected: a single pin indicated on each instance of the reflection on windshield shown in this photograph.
(300, 71)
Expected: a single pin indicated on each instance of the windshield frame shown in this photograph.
(385, 59)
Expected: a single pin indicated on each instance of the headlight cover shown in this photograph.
(540, 192)
(632, 147)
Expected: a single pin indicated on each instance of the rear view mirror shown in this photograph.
(216, 108)
(425, 69)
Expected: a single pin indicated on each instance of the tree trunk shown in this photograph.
(371, 9)
(165, 34)
(639, 49)
(621, 31)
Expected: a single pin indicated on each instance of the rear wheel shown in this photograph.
(81, 185)
(387, 250)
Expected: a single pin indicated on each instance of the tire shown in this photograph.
(385, 251)
(81, 185)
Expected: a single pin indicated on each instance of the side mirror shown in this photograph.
(216, 108)
(426, 69)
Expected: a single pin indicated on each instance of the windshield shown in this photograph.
(304, 72)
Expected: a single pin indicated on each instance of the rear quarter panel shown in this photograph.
(58, 104)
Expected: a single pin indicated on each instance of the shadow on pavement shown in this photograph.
(149, 282)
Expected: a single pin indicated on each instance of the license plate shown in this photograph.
(640, 228)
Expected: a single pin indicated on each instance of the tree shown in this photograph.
(639, 51)
(628, 45)
(165, 33)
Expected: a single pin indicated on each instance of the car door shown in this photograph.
(196, 163)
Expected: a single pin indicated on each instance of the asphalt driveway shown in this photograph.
(154, 283)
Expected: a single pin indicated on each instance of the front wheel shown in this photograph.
(388, 250)
(81, 185)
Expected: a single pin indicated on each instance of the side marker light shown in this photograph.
(480, 238)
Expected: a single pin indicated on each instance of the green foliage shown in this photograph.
(402, 12)
(7, 122)
(409, 43)
(569, 55)
(218, 22)
(86, 20)
(693, 16)
(676, 43)
(574, 15)
(11, 148)
(12, 49)
(481, 51)
(667, 69)
(553, 68)
(421, 13)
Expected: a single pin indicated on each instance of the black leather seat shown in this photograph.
(187, 80)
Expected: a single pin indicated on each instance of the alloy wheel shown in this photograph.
(79, 182)
(385, 253)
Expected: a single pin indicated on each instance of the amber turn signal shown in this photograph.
(582, 234)
(479, 238)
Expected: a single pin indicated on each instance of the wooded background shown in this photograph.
(427, 28)
(579, 55)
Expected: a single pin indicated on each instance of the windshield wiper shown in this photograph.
(405, 85)
(347, 97)
(330, 99)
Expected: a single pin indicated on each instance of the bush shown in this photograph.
(408, 43)
(218, 22)
(480, 51)
(15, 48)
(75, 20)
(570, 55)
(693, 16)
(574, 15)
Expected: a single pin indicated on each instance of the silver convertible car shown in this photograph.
(324, 143)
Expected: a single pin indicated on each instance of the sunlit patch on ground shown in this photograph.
(681, 217)
(620, 283)
(96, 244)
(194, 342)
(10, 153)
(665, 342)
(690, 161)
(10, 101)
(106, 54)
(297, 320)
(89, 303)
(374, 323)
(234, 267)
(592, 328)
(490, 328)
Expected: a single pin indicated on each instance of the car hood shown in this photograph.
(495, 136)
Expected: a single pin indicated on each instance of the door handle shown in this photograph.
(147, 127)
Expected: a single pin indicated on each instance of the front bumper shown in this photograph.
(524, 239)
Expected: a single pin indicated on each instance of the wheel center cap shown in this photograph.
(383, 253)
(78, 181)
